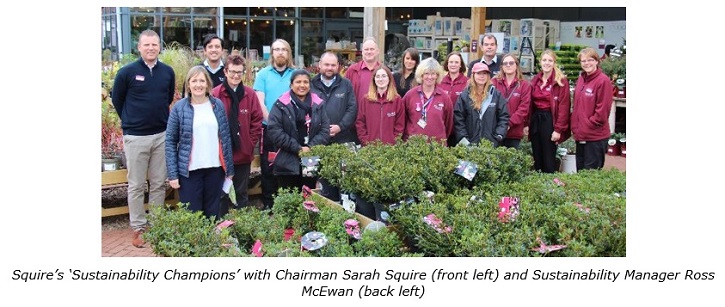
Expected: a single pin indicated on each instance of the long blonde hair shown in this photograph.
(372, 94)
(477, 97)
(558, 74)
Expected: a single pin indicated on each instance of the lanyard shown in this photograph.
(426, 105)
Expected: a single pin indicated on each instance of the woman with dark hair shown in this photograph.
(517, 92)
(454, 82)
(405, 77)
(381, 113)
(296, 122)
(550, 104)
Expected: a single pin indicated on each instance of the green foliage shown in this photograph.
(181, 58)
(587, 213)
(182, 233)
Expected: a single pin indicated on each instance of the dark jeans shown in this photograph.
(544, 150)
(591, 154)
(203, 190)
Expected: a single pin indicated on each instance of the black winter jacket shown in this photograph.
(282, 131)
(467, 123)
(340, 106)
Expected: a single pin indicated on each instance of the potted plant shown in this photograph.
(566, 153)
(111, 138)
(614, 148)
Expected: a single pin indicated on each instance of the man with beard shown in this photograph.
(270, 83)
(340, 106)
(361, 72)
(489, 46)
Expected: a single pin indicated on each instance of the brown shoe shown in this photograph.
(137, 239)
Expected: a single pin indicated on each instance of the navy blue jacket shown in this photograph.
(340, 105)
(179, 139)
(142, 97)
(282, 130)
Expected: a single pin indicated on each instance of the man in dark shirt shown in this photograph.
(493, 61)
(142, 93)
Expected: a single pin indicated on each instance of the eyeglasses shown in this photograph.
(588, 61)
(279, 49)
(235, 72)
(511, 63)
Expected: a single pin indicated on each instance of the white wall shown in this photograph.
(614, 32)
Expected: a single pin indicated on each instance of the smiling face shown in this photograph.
(234, 74)
(198, 85)
(430, 78)
(481, 77)
(213, 50)
(301, 85)
(370, 51)
(149, 47)
(454, 64)
(382, 79)
(409, 62)
(328, 66)
(547, 63)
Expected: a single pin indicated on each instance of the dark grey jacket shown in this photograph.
(468, 124)
(340, 106)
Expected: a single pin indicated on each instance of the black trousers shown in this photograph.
(590, 155)
(541, 127)
(269, 183)
(511, 143)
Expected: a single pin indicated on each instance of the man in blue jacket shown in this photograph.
(142, 93)
(340, 106)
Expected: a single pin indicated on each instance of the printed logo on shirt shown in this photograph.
(340, 95)
(439, 107)
(244, 111)
(548, 88)
(391, 114)
(588, 92)
(140, 78)
(515, 94)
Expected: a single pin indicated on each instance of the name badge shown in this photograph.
(140, 78)
(422, 123)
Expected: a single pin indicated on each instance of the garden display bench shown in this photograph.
(118, 178)
(113, 179)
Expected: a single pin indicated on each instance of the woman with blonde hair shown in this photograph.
(590, 117)
(381, 113)
(405, 77)
(480, 112)
(199, 145)
(428, 108)
(517, 92)
(550, 108)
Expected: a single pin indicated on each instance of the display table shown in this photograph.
(617, 102)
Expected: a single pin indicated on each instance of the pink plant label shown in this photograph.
(508, 209)
(352, 227)
(257, 249)
(310, 206)
(545, 249)
(436, 223)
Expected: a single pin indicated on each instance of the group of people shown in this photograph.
(208, 138)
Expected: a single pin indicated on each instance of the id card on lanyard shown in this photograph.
(423, 110)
